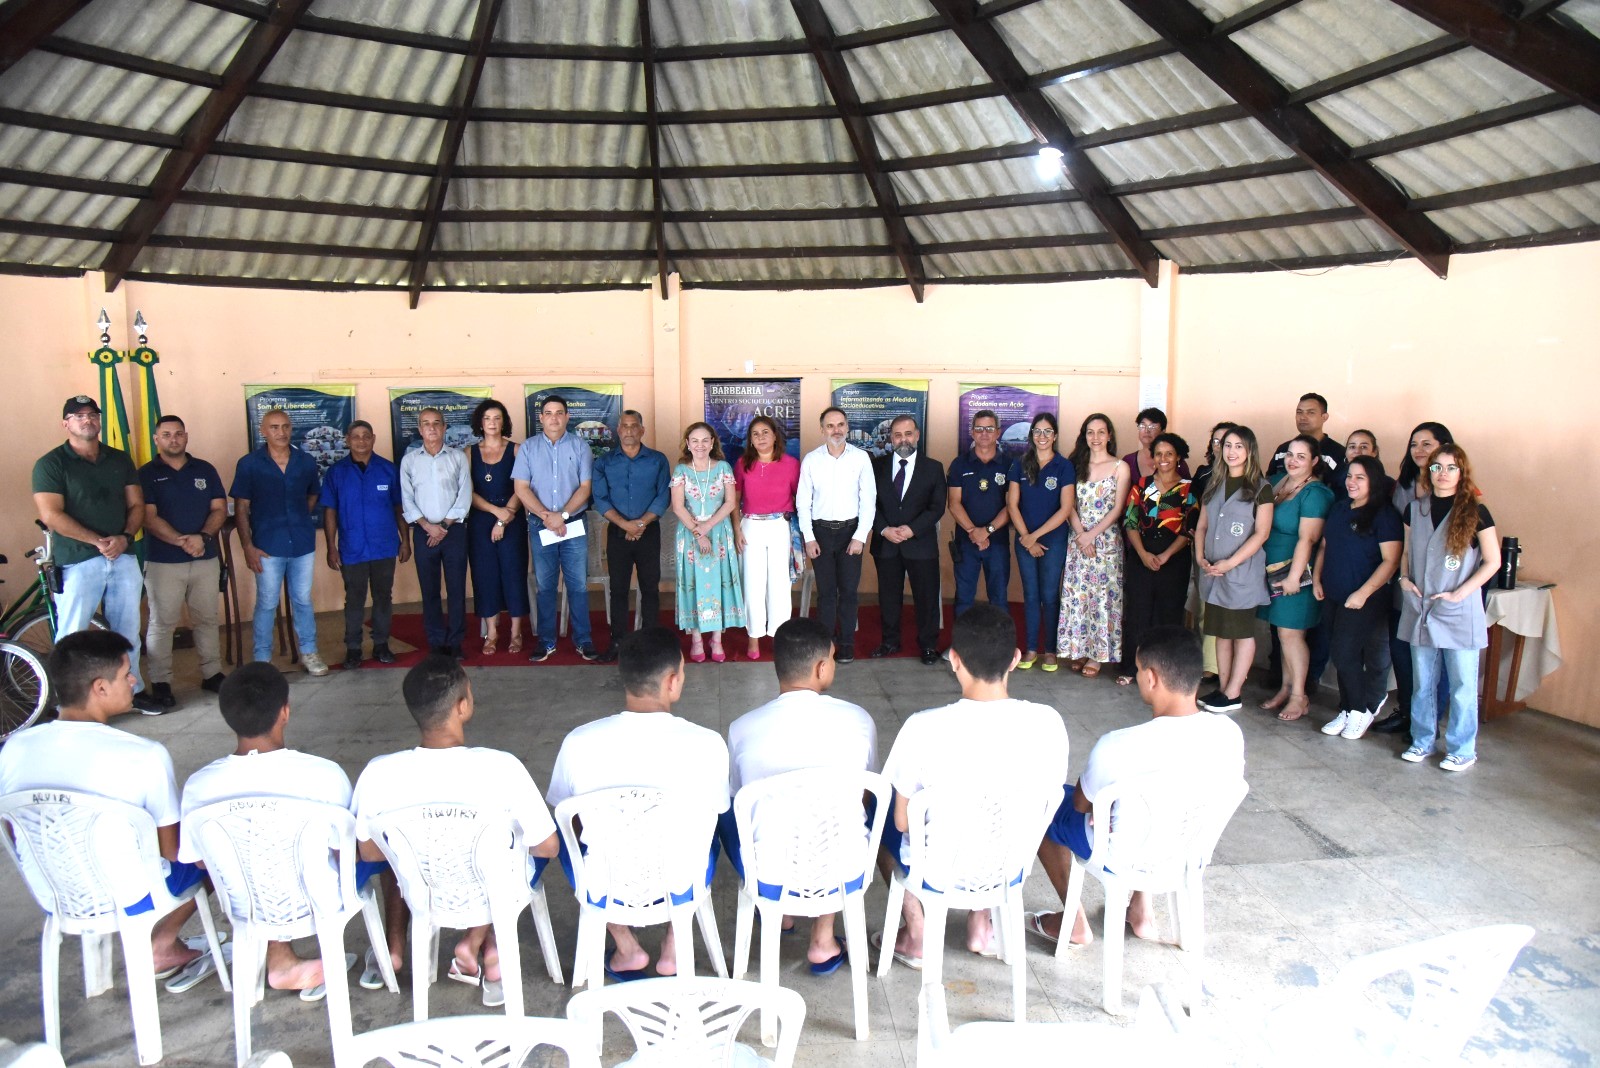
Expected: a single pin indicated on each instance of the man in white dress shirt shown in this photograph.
(800, 728)
(435, 495)
(835, 503)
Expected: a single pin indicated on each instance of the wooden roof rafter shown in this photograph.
(25, 23)
(652, 106)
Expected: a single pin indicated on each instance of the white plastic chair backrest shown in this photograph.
(28, 1055)
(1452, 979)
(487, 1041)
(275, 860)
(452, 857)
(643, 844)
(806, 832)
(683, 1021)
(975, 840)
(594, 527)
(1155, 829)
(83, 856)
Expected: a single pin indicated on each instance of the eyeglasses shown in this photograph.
(1437, 468)
(986, 430)
(85, 416)
(1044, 432)
(1149, 426)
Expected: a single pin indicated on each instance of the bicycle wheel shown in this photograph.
(35, 634)
(24, 689)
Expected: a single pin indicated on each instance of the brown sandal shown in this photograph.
(516, 643)
(1091, 669)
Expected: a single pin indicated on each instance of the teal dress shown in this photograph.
(709, 596)
(1300, 611)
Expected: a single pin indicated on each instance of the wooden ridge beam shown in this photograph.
(836, 75)
(200, 133)
(25, 23)
(652, 107)
(1005, 70)
(1252, 85)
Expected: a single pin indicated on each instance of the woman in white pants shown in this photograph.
(767, 477)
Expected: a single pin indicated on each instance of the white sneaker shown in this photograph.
(314, 664)
(1358, 723)
(1455, 763)
(1336, 724)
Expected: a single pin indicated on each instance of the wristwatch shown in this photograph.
(564, 517)
(989, 529)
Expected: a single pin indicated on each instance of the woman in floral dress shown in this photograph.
(1090, 633)
(704, 495)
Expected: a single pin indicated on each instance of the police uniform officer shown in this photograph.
(981, 541)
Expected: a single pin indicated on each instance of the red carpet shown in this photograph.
(408, 628)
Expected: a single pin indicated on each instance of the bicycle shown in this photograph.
(24, 686)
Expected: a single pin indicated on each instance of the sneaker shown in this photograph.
(1455, 763)
(162, 692)
(352, 659)
(1217, 701)
(1416, 754)
(1358, 723)
(145, 703)
(541, 653)
(588, 652)
(214, 683)
(315, 666)
(382, 654)
(1336, 724)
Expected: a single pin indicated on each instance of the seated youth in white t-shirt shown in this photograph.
(443, 768)
(645, 745)
(1180, 740)
(800, 728)
(92, 681)
(255, 703)
(987, 737)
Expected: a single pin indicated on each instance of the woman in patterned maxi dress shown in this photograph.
(704, 495)
(1090, 633)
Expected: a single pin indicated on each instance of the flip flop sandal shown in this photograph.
(320, 991)
(192, 942)
(371, 974)
(1033, 923)
(196, 971)
(494, 994)
(460, 976)
(914, 963)
(831, 965)
(627, 977)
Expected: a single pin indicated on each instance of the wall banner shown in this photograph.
(593, 412)
(1014, 405)
(732, 402)
(871, 405)
(455, 403)
(319, 417)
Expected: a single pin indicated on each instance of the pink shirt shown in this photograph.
(767, 488)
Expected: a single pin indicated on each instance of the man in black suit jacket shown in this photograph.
(905, 538)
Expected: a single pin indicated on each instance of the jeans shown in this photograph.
(567, 561)
(172, 587)
(378, 575)
(1041, 596)
(274, 570)
(994, 564)
(115, 585)
(1456, 671)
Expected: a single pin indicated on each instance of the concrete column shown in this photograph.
(666, 363)
(1158, 341)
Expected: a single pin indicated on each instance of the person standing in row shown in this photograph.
(1090, 633)
(976, 500)
(1041, 493)
(552, 475)
(274, 492)
(497, 531)
(704, 496)
(631, 491)
(835, 501)
(767, 477)
(436, 493)
(364, 526)
(1235, 519)
(910, 488)
(184, 509)
(1300, 505)
(1159, 526)
(1310, 419)
(1150, 423)
(1202, 477)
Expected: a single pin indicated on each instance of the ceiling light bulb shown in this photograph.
(1048, 163)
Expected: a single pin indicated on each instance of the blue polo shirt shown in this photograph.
(364, 501)
(182, 496)
(982, 485)
(1038, 501)
(633, 485)
(280, 518)
(553, 470)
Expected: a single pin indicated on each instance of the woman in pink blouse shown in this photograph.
(767, 477)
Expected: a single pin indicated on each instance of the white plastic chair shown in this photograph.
(1451, 980)
(88, 860)
(969, 849)
(646, 864)
(1155, 834)
(681, 1022)
(284, 868)
(807, 851)
(462, 867)
(28, 1055)
(458, 1042)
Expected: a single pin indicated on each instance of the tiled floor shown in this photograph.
(1339, 850)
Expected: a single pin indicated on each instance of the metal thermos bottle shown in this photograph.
(1509, 551)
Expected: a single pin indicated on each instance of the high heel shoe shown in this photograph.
(697, 651)
(717, 655)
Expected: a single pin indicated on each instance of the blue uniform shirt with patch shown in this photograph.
(982, 485)
(182, 497)
(365, 501)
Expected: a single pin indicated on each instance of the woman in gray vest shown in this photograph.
(1235, 519)
(1450, 552)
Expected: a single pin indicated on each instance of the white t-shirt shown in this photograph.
(92, 758)
(279, 773)
(800, 729)
(466, 775)
(969, 743)
(654, 749)
(1202, 746)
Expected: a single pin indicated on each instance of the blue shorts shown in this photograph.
(1070, 828)
(728, 835)
(366, 869)
(181, 875)
(566, 866)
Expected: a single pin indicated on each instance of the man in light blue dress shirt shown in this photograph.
(552, 477)
(435, 495)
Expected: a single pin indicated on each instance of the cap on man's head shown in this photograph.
(80, 403)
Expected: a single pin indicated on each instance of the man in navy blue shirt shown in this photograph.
(365, 530)
(274, 490)
(982, 540)
(631, 491)
(184, 508)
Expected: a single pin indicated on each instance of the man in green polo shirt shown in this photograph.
(88, 494)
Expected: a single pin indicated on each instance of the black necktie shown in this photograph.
(900, 480)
